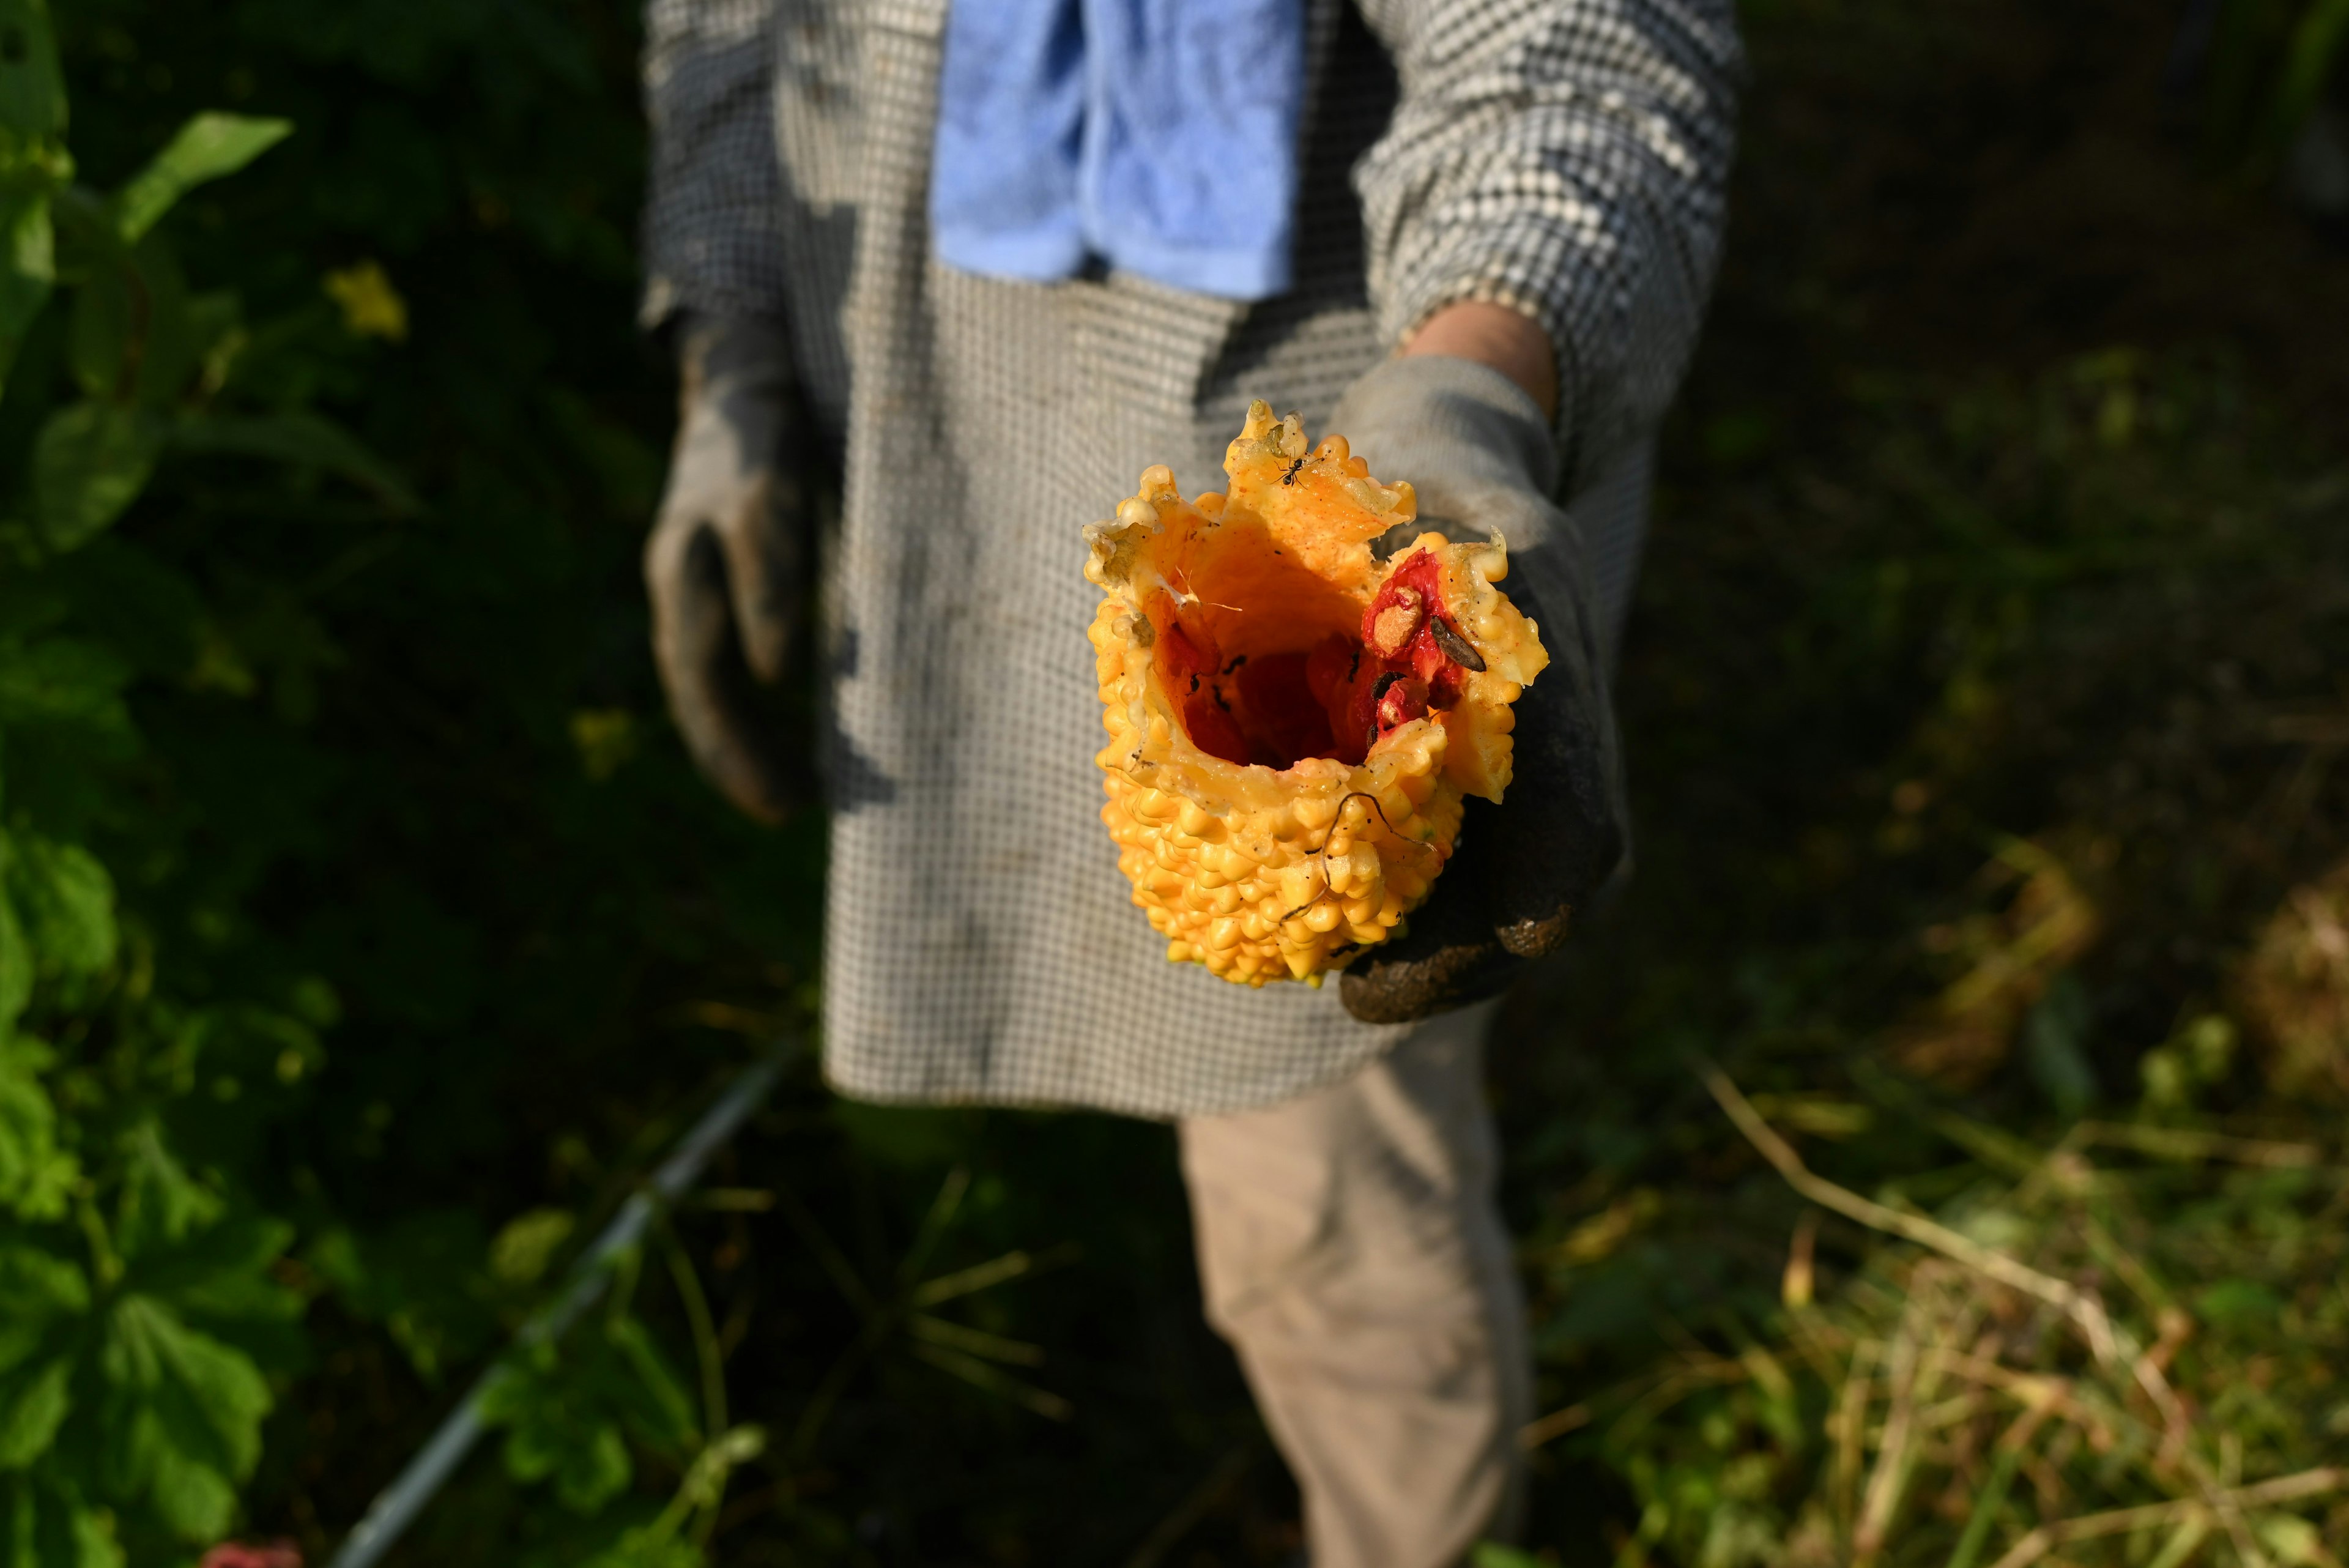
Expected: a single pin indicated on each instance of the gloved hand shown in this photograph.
(1483, 459)
(725, 565)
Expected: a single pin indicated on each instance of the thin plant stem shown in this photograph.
(2083, 1309)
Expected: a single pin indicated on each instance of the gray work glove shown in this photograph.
(1483, 460)
(726, 562)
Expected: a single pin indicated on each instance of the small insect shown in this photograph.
(1290, 477)
(1348, 798)
(1455, 647)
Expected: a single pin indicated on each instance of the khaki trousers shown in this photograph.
(1351, 1252)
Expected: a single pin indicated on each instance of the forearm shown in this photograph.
(1508, 340)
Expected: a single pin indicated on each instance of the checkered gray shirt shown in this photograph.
(1565, 157)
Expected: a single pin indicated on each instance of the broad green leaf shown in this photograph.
(184, 1411)
(420, 1279)
(28, 266)
(593, 1468)
(220, 1274)
(90, 463)
(36, 1175)
(197, 1501)
(135, 337)
(32, 87)
(42, 1298)
(587, 1457)
(161, 1203)
(65, 900)
(303, 439)
(65, 680)
(559, 1428)
(208, 147)
(34, 1402)
(36, 1289)
(45, 1523)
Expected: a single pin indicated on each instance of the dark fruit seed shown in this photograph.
(1455, 647)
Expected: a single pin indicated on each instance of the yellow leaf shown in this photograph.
(371, 306)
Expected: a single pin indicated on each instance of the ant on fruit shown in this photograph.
(1290, 477)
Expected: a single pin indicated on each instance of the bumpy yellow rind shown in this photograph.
(1265, 875)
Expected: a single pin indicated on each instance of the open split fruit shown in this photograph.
(1294, 723)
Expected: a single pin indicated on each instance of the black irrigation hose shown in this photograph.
(397, 1505)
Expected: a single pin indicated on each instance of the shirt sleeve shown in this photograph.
(1568, 158)
(711, 227)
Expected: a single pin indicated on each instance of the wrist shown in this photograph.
(1505, 340)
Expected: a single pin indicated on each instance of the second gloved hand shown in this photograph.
(726, 563)
(1482, 460)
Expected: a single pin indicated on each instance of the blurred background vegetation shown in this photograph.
(364, 936)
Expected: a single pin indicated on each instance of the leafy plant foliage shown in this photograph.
(187, 498)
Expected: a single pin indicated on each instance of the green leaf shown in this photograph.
(34, 1402)
(302, 440)
(162, 1205)
(65, 680)
(419, 1280)
(553, 1432)
(42, 1298)
(183, 1414)
(529, 1242)
(134, 338)
(28, 267)
(44, 1522)
(35, 1176)
(32, 87)
(90, 463)
(563, 1416)
(208, 147)
(220, 1274)
(37, 1288)
(65, 900)
(197, 1501)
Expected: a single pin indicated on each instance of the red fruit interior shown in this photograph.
(1332, 698)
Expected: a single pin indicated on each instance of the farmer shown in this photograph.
(995, 260)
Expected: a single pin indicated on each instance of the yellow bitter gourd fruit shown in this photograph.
(1293, 723)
